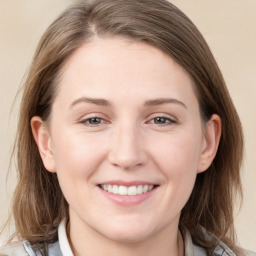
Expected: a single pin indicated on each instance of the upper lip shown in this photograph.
(127, 183)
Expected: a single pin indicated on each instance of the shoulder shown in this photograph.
(13, 249)
(221, 249)
(25, 249)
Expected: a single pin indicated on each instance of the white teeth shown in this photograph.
(139, 189)
(115, 189)
(130, 191)
(145, 188)
(110, 188)
(122, 190)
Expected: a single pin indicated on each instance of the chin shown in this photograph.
(128, 233)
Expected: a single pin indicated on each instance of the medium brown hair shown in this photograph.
(38, 204)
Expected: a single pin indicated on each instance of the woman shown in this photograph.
(128, 141)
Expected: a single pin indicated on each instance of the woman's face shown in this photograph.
(125, 139)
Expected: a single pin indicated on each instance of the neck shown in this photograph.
(86, 241)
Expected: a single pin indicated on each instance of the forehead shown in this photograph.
(119, 67)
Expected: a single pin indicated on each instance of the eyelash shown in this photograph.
(167, 121)
(86, 121)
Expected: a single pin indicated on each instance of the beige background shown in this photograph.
(229, 26)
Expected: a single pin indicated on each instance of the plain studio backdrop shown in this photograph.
(229, 26)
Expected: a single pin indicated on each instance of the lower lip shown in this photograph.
(128, 200)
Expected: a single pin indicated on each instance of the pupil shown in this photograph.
(160, 120)
(94, 120)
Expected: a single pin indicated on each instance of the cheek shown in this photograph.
(178, 158)
(76, 157)
(178, 153)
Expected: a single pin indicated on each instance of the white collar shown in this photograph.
(63, 239)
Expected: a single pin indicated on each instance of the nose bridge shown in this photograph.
(127, 146)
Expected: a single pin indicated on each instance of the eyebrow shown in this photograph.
(148, 103)
(95, 101)
(161, 101)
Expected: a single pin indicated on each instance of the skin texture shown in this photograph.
(127, 143)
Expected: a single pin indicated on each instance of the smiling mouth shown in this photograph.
(127, 191)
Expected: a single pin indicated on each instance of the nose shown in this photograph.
(126, 149)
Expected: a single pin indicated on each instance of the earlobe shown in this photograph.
(210, 143)
(43, 140)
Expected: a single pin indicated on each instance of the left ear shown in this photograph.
(43, 140)
(210, 143)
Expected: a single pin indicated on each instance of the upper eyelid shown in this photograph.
(91, 115)
(164, 115)
(106, 118)
(169, 120)
(85, 122)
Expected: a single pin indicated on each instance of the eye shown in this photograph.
(161, 120)
(93, 121)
